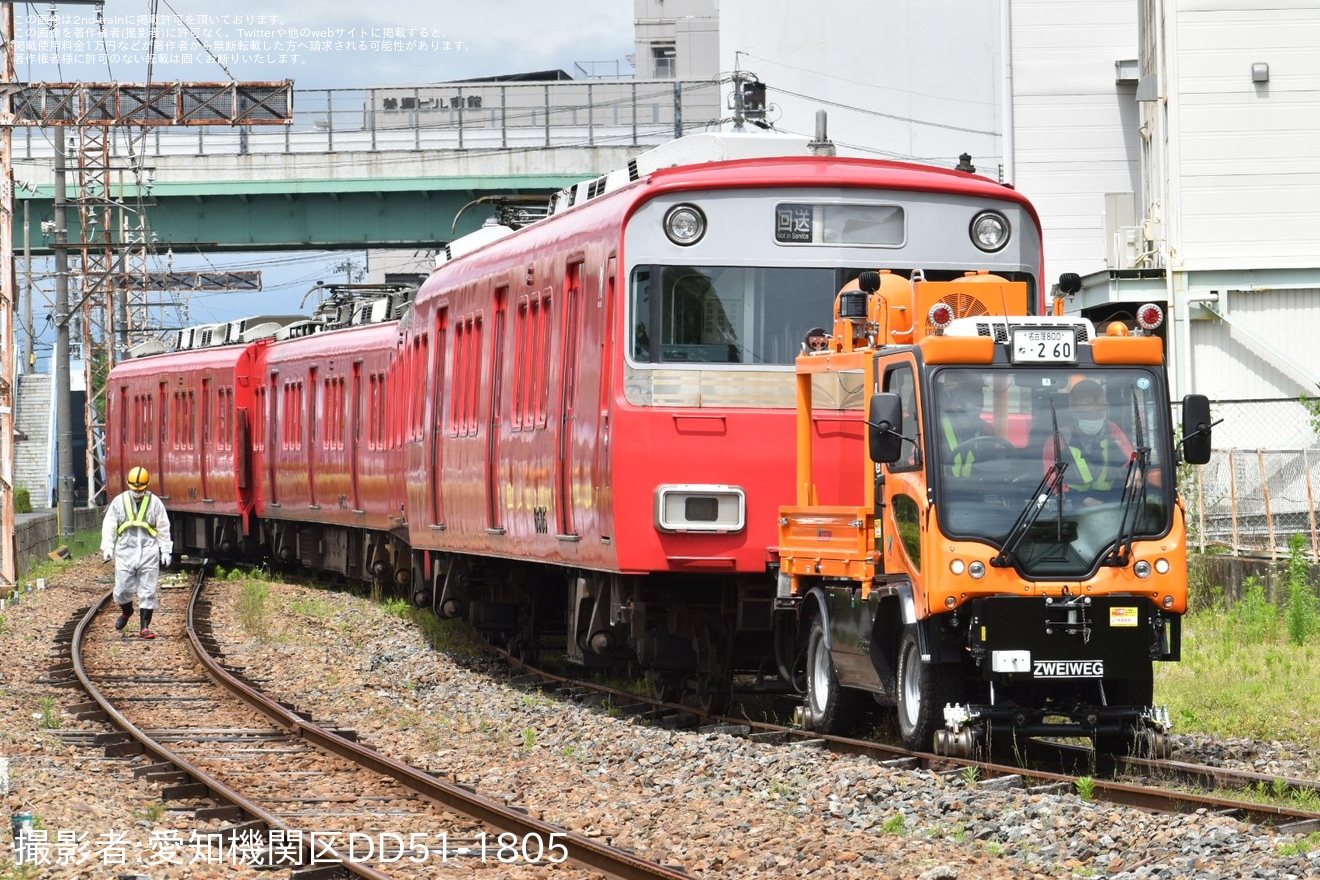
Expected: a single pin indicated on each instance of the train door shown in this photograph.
(355, 436)
(273, 446)
(315, 399)
(437, 416)
(205, 445)
(162, 411)
(568, 395)
(494, 494)
(602, 486)
(117, 479)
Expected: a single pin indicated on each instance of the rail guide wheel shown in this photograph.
(956, 744)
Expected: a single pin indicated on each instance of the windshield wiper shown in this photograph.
(1050, 484)
(1133, 501)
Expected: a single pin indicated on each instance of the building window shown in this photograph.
(662, 58)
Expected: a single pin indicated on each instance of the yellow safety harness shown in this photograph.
(138, 519)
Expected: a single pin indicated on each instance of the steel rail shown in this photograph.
(217, 789)
(615, 862)
(1111, 791)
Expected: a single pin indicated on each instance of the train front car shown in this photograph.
(651, 462)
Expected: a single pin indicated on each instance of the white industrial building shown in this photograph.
(1169, 146)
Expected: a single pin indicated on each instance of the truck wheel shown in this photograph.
(830, 708)
(923, 691)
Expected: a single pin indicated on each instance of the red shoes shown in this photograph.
(147, 634)
(121, 622)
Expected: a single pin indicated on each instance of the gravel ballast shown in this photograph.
(711, 804)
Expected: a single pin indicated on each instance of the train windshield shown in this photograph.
(735, 314)
(726, 314)
(1056, 469)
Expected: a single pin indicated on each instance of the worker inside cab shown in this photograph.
(1095, 448)
(816, 340)
(962, 432)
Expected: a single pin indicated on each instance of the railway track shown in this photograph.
(1164, 785)
(266, 787)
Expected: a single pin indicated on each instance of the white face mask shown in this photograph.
(137, 496)
(1090, 426)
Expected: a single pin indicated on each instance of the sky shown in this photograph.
(326, 45)
(334, 44)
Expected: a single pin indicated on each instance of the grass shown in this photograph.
(84, 543)
(152, 812)
(252, 608)
(1241, 676)
(1300, 846)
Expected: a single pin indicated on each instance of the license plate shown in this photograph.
(1052, 346)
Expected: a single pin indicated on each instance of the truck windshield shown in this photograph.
(996, 434)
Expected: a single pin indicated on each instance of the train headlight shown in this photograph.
(976, 570)
(685, 224)
(990, 231)
(700, 508)
(957, 566)
(1141, 569)
(1162, 566)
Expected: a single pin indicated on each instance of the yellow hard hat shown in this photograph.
(138, 478)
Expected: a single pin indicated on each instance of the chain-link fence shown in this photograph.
(1262, 483)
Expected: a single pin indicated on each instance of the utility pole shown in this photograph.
(63, 392)
(89, 108)
(92, 109)
(8, 286)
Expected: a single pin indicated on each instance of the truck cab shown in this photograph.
(1010, 557)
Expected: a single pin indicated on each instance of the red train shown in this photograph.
(580, 427)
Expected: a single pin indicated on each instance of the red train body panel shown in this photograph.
(184, 417)
(323, 446)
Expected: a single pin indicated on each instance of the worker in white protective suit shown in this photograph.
(136, 534)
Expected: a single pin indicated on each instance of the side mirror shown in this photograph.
(884, 417)
(1196, 429)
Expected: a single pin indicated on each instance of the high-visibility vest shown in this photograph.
(962, 462)
(138, 519)
(1085, 479)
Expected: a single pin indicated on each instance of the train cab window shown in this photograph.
(725, 314)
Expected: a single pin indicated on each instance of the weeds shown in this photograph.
(895, 824)
(1085, 787)
(1300, 846)
(152, 812)
(529, 738)
(50, 713)
(252, 608)
(398, 607)
(312, 606)
(84, 543)
(1256, 619)
(1301, 615)
(971, 774)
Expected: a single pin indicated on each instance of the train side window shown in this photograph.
(542, 400)
(528, 366)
